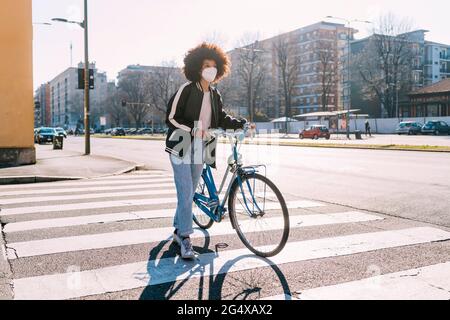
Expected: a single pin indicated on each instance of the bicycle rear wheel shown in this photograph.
(259, 215)
(200, 218)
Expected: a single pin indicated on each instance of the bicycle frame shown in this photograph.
(212, 206)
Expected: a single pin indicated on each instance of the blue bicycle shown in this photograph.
(256, 207)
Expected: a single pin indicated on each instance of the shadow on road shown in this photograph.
(168, 274)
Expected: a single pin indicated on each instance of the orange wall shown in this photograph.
(16, 75)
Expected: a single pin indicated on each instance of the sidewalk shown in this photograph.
(54, 165)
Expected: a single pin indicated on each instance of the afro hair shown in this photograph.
(193, 61)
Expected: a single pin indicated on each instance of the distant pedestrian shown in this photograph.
(368, 128)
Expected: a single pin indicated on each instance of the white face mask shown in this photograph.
(209, 74)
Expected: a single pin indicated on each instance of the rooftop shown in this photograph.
(438, 87)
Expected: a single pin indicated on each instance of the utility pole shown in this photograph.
(87, 126)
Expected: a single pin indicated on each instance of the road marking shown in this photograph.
(128, 203)
(86, 196)
(91, 189)
(135, 177)
(84, 220)
(124, 238)
(426, 283)
(144, 273)
(101, 218)
(85, 206)
(81, 183)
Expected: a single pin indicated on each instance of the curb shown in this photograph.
(37, 179)
(329, 146)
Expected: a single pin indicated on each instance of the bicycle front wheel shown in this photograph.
(259, 215)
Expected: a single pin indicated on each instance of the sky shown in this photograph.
(149, 32)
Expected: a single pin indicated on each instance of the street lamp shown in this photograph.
(87, 126)
(348, 23)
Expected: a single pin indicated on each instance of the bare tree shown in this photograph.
(328, 64)
(385, 64)
(251, 70)
(135, 88)
(114, 106)
(288, 67)
(163, 83)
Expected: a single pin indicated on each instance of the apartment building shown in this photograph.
(307, 43)
(67, 101)
(43, 112)
(430, 63)
(436, 62)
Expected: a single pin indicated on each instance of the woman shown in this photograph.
(195, 108)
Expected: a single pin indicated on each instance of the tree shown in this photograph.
(136, 91)
(326, 52)
(163, 83)
(288, 68)
(385, 64)
(252, 71)
(114, 106)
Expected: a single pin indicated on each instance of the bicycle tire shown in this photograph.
(200, 218)
(235, 189)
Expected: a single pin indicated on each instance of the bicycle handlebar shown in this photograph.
(239, 134)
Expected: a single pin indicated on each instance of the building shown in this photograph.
(43, 113)
(308, 89)
(67, 101)
(430, 101)
(16, 84)
(430, 63)
(436, 62)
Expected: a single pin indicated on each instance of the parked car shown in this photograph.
(132, 131)
(315, 132)
(61, 132)
(107, 131)
(436, 127)
(44, 135)
(409, 128)
(118, 132)
(145, 131)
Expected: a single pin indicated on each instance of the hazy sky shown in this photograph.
(147, 32)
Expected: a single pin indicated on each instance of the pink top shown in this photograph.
(206, 112)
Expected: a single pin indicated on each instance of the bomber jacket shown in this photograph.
(183, 112)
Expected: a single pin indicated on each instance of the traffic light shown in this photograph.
(81, 79)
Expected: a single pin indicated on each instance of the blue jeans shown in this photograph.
(187, 173)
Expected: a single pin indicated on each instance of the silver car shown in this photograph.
(409, 128)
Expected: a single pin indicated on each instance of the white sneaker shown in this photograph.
(186, 249)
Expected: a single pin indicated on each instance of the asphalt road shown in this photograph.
(110, 237)
(413, 185)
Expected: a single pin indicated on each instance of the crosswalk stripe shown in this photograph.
(85, 206)
(130, 202)
(426, 283)
(82, 183)
(89, 189)
(91, 219)
(84, 220)
(123, 238)
(135, 177)
(144, 273)
(86, 196)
